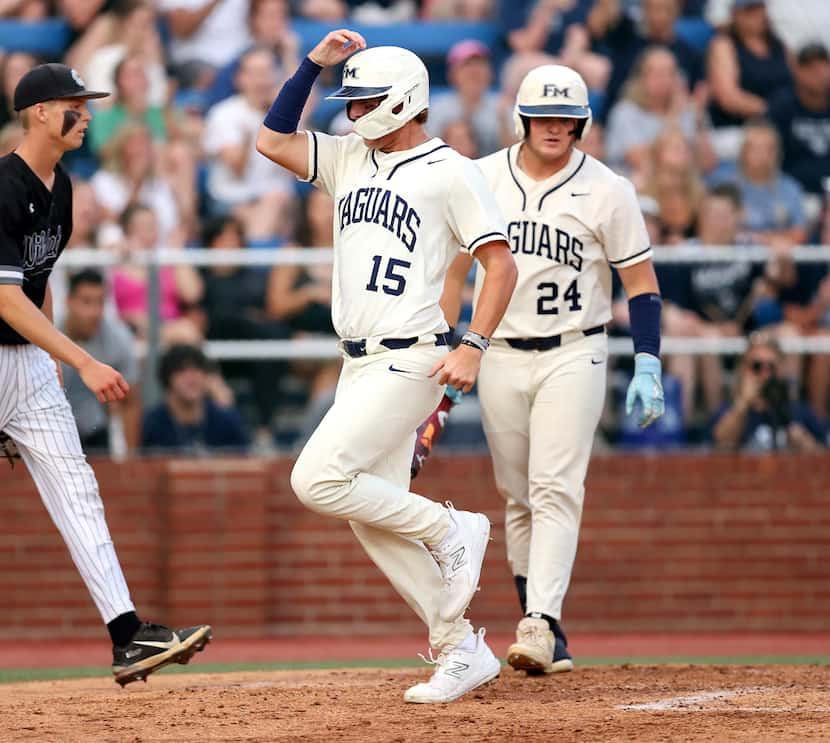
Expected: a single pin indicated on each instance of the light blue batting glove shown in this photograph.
(454, 394)
(646, 385)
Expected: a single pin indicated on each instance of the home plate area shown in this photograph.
(607, 703)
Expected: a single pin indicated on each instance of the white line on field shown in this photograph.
(787, 710)
(694, 701)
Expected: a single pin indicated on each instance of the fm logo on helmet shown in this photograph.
(553, 91)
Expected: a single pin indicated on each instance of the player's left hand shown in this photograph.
(459, 368)
(647, 387)
(105, 382)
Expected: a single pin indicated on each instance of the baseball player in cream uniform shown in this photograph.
(405, 204)
(542, 383)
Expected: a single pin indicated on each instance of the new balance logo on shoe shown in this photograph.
(456, 669)
(460, 556)
(457, 558)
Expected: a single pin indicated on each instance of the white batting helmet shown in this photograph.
(552, 91)
(388, 71)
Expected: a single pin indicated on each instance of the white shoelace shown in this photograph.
(432, 661)
(438, 662)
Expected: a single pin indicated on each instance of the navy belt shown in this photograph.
(545, 344)
(356, 349)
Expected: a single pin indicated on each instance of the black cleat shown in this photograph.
(154, 646)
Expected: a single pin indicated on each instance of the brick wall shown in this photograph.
(671, 543)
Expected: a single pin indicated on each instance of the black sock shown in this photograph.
(550, 620)
(521, 589)
(123, 627)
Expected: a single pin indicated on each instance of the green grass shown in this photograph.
(12, 675)
(8, 676)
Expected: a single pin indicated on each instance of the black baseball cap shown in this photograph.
(49, 82)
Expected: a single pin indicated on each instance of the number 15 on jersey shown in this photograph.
(393, 280)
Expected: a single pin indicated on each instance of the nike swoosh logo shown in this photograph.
(580, 194)
(158, 644)
(432, 162)
(596, 362)
(393, 368)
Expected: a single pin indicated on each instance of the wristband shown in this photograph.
(476, 340)
(284, 114)
(644, 318)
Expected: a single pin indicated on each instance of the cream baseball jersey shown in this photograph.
(565, 233)
(400, 219)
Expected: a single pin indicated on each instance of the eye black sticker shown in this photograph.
(70, 118)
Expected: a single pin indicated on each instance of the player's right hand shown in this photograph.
(104, 381)
(336, 46)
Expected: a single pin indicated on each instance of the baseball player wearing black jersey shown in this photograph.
(35, 224)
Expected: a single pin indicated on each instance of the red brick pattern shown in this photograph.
(683, 542)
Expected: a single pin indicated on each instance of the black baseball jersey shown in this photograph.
(34, 228)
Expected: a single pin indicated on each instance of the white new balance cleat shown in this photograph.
(457, 671)
(459, 556)
(534, 647)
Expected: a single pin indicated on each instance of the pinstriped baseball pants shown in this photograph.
(34, 411)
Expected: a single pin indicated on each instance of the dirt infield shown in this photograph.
(624, 703)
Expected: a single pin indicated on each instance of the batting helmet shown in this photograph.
(389, 71)
(552, 91)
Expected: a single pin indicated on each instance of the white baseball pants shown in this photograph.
(34, 411)
(540, 410)
(356, 467)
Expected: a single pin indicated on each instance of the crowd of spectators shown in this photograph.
(723, 127)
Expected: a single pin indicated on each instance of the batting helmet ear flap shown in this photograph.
(520, 124)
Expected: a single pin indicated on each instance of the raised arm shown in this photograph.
(278, 137)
